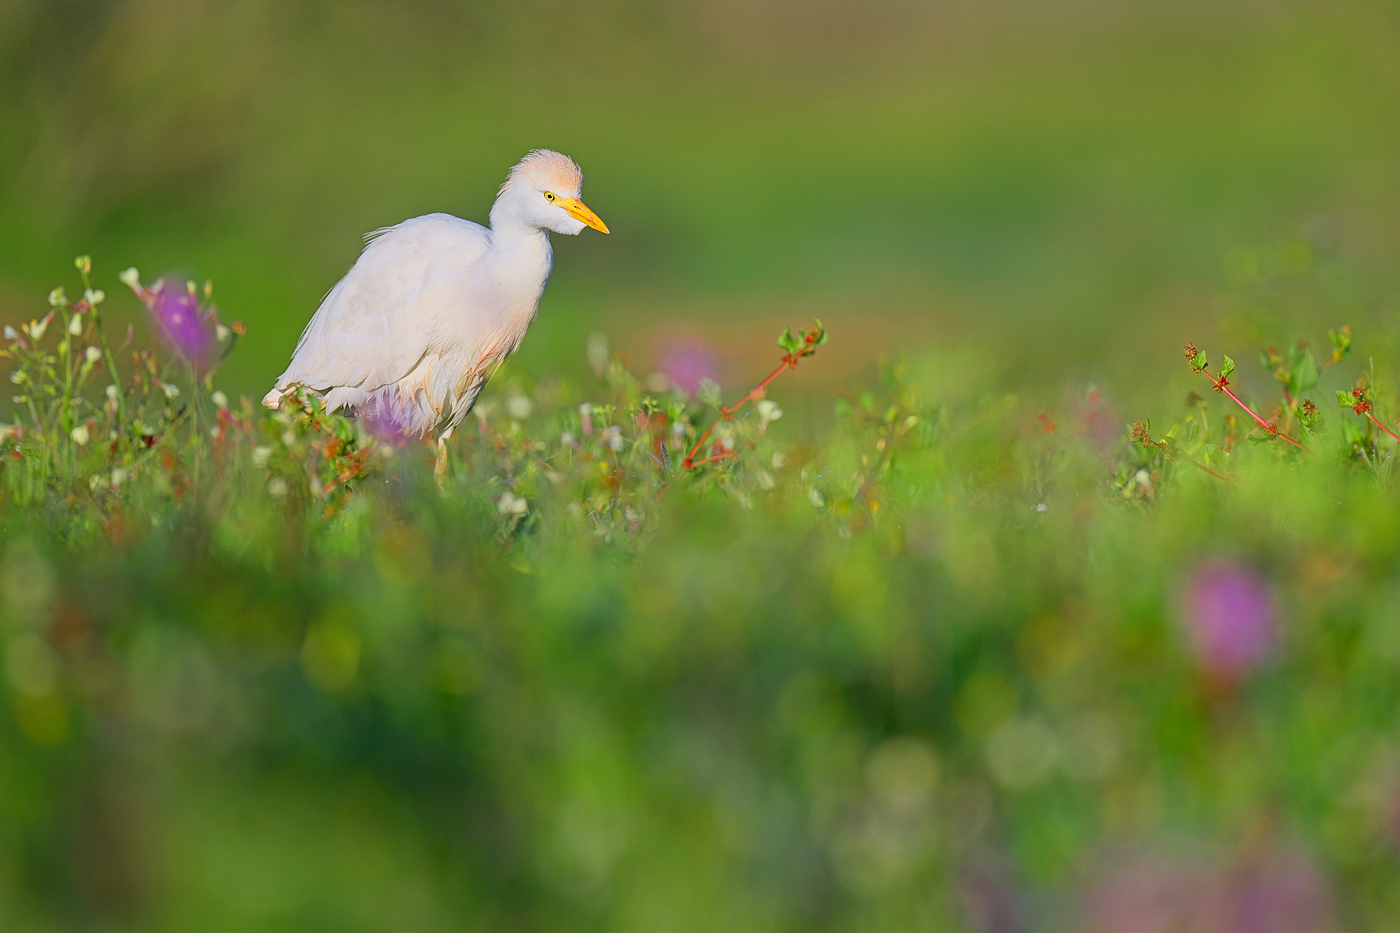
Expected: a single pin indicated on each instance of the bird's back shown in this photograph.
(375, 326)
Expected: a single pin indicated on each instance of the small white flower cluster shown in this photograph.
(511, 504)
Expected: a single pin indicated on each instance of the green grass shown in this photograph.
(934, 664)
(854, 677)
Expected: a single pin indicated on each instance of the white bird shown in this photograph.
(435, 304)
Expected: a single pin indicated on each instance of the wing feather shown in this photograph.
(371, 330)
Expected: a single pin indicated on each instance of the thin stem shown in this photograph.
(111, 365)
(1381, 426)
(727, 413)
(1202, 467)
(1222, 386)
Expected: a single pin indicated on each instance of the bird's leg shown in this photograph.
(440, 468)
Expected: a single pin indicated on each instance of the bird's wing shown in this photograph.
(371, 330)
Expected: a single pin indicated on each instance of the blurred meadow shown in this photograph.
(937, 642)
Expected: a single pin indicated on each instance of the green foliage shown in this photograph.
(954, 643)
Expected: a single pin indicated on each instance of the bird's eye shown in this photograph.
(549, 195)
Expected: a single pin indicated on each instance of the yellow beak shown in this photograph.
(579, 211)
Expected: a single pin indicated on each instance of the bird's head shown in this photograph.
(543, 191)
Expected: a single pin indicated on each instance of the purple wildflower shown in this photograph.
(383, 424)
(1229, 616)
(1278, 890)
(689, 359)
(184, 328)
(1284, 893)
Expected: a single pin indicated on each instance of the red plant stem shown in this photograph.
(727, 413)
(1222, 386)
(1381, 426)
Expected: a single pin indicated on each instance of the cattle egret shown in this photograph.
(434, 305)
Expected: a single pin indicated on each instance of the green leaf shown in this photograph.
(787, 342)
(709, 393)
(1346, 399)
(1227, 367)
(1200, 361)
(1304, 375)
(1341, 342)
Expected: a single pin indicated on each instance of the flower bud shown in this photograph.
(75, 325)
(219, 399)
(93, 354)
(37, 328)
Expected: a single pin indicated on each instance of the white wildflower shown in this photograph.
(219, 399)
(11, 333)
(112, 393)
(93, 354)
(815, 497)
(37, 328)
(779, 459)
(511, 504)
(94, 482)
(119, 476)
(261, 454)
(94, 296)
(1144, 479)
(222, 332)
(277, 487)
(75, 325)
(170, 390)
(81, 435)
(131, 278)
(56, 297)
(519, 407)
(768, 410)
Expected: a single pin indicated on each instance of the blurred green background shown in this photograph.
(1084, 175)
(967, 702)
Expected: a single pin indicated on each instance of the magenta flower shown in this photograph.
(1284, 893)
(687, 360)
(383, 423)
(1279, 890)
(186, 329)
(1149, 895)
(1229, 614)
